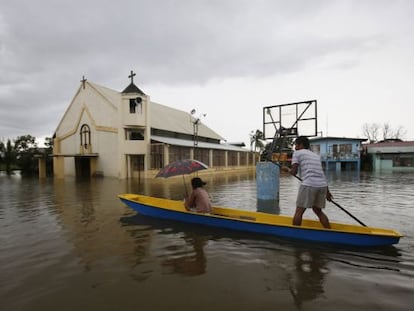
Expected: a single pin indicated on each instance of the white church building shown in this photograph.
(124, 135)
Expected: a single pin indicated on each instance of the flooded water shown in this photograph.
(72, 245)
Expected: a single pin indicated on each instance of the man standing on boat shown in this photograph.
(314, 188)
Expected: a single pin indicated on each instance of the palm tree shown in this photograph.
(256, 139)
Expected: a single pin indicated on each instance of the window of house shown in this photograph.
(402, 160)
(335, 150)
(345, 148)
(340, 150)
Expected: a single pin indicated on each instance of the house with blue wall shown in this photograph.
(338, 153)
(392, 155)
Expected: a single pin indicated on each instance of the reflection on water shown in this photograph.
(268, 206)
(192, 262)
(186, 258)
(72, 245)
(311, 269)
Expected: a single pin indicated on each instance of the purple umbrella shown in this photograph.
(181, 167)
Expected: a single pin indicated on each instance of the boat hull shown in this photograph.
(262, 223)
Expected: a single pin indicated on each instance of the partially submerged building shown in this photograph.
(391, 155)
(338, 153)
(123, 134)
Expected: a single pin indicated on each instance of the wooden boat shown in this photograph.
(263, 223)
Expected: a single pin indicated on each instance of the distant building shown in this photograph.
(392, 155)
(338, 153)
(123, 134)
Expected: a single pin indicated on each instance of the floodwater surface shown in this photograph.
(72, 245)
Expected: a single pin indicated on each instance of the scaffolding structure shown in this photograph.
(281, 122)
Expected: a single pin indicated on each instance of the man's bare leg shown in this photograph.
(322, 217)
(297, 218)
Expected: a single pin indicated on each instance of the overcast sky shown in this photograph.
(225, 58)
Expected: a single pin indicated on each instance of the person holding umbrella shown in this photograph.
(199, 199)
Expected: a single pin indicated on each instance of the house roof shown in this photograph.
(132, 88)
(174, 120)
(314, 139)
(200, 144)
(391, 144)
(391, 147)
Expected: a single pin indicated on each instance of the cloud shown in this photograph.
(167, 41)
(46, 48)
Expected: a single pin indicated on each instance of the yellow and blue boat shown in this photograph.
(262, 223)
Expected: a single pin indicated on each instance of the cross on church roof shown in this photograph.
(83, 81)
(132, 88)
(131, 76)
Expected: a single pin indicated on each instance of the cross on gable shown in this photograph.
(131, 76)
(83, 81)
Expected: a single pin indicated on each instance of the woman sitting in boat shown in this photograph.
(199, 200)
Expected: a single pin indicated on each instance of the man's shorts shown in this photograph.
(309, 197)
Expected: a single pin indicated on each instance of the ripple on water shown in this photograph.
(69, 239)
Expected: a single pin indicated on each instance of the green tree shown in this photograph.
(49, 144)
(25, 147)
(46, 154)
(2, 154)
(256, 140)
(9, 156)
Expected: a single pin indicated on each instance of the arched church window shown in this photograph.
(85, 136)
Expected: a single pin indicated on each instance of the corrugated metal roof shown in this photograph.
(111, 95)
(174, 120)
(190, 143)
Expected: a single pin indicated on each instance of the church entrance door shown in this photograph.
(83, 167)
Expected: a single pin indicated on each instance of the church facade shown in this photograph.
(104, 132)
